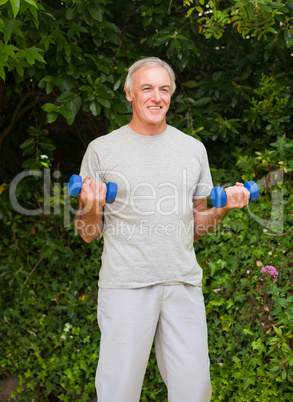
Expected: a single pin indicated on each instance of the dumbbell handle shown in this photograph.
(75, 184)
(219, 196)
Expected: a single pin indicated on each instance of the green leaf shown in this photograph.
(103, 67)
(248, 382)
(190, 11)
(105, 92)
(3, 2)
(51, 117)
(276, 368)
(77, 103)
(65, 97)
(93, 108)
(271, 29)
(74, 107)
(182, 108)
(31, 55)
(15, 4)
(190, 84)
(119, 106)
(249, 10)
(104, 102)
(248, 331)
(50, 107)
(19, 66)
(117, 84)
(202, 101)
(66, 112)
(232, 128)
(89, 20)
(2, 71)
(32, 3)
(10, 27)
(27, 142)
(288, 35)
(46, 146)
(70, 13)
(111, 26)
(95, 12)
(284, 374)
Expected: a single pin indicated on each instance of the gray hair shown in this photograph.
(148, 62)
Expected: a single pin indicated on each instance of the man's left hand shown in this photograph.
(237, 196)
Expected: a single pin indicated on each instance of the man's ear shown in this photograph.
(128, 95)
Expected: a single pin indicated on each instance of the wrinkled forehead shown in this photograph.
(155, 76)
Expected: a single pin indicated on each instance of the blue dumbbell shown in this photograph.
(75, 185)
(219, 197)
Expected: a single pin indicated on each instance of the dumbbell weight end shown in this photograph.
(218, 197)
(252, 187)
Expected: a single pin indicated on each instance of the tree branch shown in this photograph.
(18, 112)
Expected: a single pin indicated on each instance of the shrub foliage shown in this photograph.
(62, 70)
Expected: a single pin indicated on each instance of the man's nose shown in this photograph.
(156, 95)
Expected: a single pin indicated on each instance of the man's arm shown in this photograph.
(89, 218)
(207, 219)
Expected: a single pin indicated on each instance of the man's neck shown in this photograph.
(147, 129)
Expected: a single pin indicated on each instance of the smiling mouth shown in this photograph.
(155, 107)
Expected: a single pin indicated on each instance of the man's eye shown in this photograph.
(146, 88)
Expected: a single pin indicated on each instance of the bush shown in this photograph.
(49, 290)
(48, 298)
(63, 64)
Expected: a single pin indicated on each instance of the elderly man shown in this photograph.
(150, 281)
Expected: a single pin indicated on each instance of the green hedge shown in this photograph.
(50, 338)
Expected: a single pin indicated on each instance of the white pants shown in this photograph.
(130, 320)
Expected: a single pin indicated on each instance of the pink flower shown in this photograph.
(268, 271)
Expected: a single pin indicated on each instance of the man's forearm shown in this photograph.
(207, 220)
(89, 225)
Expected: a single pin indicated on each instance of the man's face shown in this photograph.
(151, 96)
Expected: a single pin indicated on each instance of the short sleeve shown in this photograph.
(90, 165)
(205, 183)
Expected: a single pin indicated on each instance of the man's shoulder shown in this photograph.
(107, 139)
(185, 138)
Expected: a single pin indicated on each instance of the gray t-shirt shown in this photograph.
(148, 230)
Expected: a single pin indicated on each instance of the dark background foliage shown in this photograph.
(62, 70)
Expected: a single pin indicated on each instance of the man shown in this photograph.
(150, 281)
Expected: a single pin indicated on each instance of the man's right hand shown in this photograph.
(93, 195)
(89, 218)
